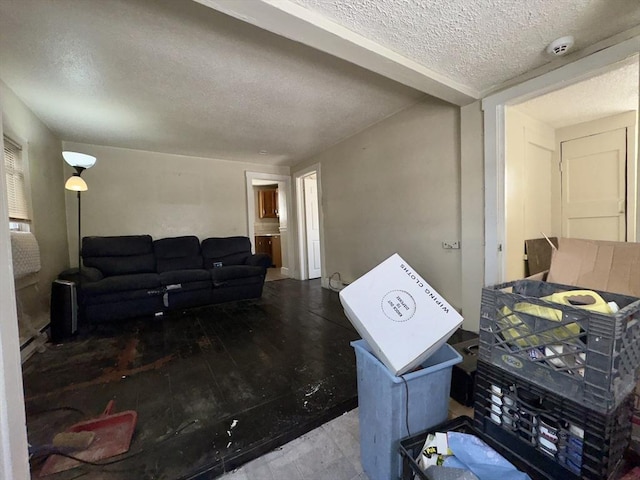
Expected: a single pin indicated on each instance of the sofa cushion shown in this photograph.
(235, 272)
(184, 276)
(227, 250)
(127, 254)
(178, 253)
(237, 283)
(121, 283)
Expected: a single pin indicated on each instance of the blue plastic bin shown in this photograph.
(383, 406)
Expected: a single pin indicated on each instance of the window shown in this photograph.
(16, 186)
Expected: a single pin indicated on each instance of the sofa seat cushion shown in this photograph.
(112, 298)
(184, 276)
(122, 283)
(236, 275)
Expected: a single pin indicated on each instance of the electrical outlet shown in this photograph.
(451, 245)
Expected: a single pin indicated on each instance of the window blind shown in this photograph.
(16, 189)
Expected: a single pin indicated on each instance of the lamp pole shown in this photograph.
(79, 239)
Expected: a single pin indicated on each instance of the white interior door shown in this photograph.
(594, 186)
(312, 218)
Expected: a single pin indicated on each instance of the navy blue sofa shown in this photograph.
(132, 276)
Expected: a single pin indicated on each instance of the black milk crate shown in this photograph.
(561, 437)
(589, 357)
(410, 449)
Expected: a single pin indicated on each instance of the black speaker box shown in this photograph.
(463, 374)
(64, 310)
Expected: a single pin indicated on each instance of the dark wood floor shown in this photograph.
(213, 387)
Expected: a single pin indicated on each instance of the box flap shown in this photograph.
(599, 265)
(538, 252)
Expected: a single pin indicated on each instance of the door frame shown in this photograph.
(302, 223)
(493, 107)
(285, 211)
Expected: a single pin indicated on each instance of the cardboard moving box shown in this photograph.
(599, 265)
(402, 318)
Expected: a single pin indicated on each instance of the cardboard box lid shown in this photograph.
(599, 265)
(402, 318)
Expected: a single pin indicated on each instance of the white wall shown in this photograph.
(530, 177)
(135, 192)
(395, 187)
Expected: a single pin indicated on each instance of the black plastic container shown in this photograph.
(563, 438)
(585, 356)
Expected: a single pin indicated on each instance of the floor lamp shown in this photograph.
(75, 183)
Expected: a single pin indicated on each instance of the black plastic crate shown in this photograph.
(588, 357)
(410, 448)
(563, 438)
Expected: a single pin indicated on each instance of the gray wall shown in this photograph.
(137, 192)
(395, 187)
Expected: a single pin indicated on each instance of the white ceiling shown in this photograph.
(479, 43)
(613, 92)
(180, 77)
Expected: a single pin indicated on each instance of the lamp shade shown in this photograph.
(76, 159)
(76, 183)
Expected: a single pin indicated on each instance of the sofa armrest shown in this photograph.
(87, 274)
(259, 260)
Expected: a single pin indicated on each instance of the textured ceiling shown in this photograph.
(178, 77)
(607, 94)
(480, 43)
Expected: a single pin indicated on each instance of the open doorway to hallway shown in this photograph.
(570, 163)
(267, 220)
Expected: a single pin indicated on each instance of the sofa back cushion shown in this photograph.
(121, 255)
(177, 253)
(227, 250)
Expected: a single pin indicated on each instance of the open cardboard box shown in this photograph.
(594, 264)
(400, 316)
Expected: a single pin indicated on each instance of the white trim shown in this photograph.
(285, 204)
(300, 24)
(14, 462)
(494, 147)
(301, 258)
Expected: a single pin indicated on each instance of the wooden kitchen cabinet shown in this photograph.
(270, 244)
(268, 203)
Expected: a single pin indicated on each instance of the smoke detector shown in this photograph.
(560, 46)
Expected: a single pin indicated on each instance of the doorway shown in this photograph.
(268, 213)
(495, 108)
(309, 223)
